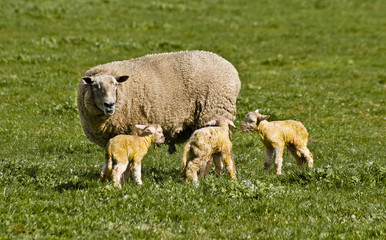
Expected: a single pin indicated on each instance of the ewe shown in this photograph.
(204, 144)
(181, 91)
(277, 134)
(124, 154)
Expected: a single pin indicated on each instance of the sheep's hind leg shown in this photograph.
(128, 174)
(192, 169)
(106, 170)
(217, 158)
(118, 170)
(298, 157)
(307, 155)
(229, 163)
(205, 168)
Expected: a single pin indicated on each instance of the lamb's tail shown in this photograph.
(184, 159)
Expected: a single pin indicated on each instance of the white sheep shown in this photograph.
(181, 91)
(124, 154)
(205, 143)
(276, 135)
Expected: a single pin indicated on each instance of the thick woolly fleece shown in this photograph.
(181, 91)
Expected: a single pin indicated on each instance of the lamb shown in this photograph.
(179, 90)
(205, 143)
(276, 135)
(124, 154)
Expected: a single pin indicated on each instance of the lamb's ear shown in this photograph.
(264, 117)
(212, 122)
(122, 79)
(141, 127)
(87, 80)
(150, 130)
(257, 111)
(230, 123)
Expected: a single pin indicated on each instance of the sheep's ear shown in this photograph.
(141, 127)
(122, 79)
(87, 80)
(264, 117)
(230, 123)
(150, 130)
(257, 111)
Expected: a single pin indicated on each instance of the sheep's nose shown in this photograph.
(108, 105)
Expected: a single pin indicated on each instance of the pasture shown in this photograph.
(321, 62)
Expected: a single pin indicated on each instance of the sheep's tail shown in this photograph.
(184, 159)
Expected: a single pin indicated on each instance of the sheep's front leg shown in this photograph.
(229, 163)
(268, 157)
(137, 171)
(278, 159)
(118, 170)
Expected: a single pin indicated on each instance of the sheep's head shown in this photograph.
(153, 130)
(252, 120)
(222, 121)
(104, 89)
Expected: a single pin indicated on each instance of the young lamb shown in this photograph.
(127, 151)
(277, 134)
(205, 143)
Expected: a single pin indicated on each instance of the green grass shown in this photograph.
(320, 62)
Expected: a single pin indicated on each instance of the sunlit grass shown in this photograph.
(319, 62)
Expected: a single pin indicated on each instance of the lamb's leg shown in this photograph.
(137, 173)
(306, 154)
(298, 157)
(104, 172)
(128, 174)
(278, 159)
(217, 158)
(205, 168)
(107, 167)
(229, 163)
(268, 158)
(118, 170)
(192, 168)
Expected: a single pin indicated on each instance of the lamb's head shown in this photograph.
(104, 89)
(252, 120)
(221, 121)
(153, 130)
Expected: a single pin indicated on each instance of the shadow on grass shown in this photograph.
(86, 180)
(161, 175)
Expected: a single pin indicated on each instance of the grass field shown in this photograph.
(321, 62)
